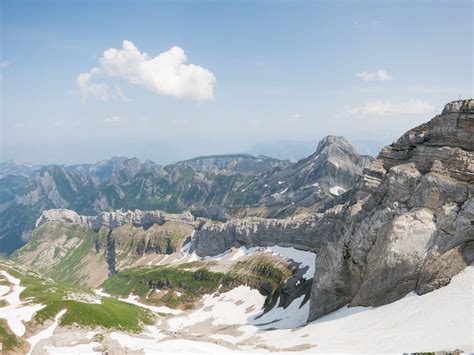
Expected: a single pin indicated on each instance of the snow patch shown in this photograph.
(441, 319)
(290, 317)
(17, 312)
(80, 349)
(230, 308)
(168, 346)
(45, 334)
(133, 299)
(4, 290)
(337, 190)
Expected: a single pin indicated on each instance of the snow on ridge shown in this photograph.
(337, 190)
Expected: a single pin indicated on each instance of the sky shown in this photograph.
(83, 81)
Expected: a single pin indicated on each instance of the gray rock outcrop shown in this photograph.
(298, 232)
(408, 225)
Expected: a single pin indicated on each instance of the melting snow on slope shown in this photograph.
(81, 349)
(233, 307)
(133, 299)
(290, 317)
(439, 320)
(168, 346)
(4, 290)
(45, 334)
(17, 312)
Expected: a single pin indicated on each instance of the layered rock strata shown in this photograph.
(409, 223)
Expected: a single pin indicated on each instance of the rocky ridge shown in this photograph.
(216, 187)
(117, 218)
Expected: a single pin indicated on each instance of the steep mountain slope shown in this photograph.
(408, 225)
(216, 187)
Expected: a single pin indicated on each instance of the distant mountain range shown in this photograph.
(216, 187)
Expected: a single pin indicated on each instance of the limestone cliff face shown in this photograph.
(298, 232)
(408, 225)
(117, 218)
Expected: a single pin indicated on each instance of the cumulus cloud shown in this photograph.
(379, 75)
(112, 120)
(166, 74)
(379, 107)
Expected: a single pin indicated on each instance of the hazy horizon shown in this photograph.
(285, 150)
(85, 81)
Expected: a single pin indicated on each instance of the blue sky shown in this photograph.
(269, 77)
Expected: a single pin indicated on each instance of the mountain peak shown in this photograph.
(335, 141)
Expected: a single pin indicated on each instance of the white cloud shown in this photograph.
(379, 75)
(59, 123)
(112, 120)
(379, 107)
(100, 91)
(166, 74)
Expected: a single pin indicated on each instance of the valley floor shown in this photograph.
(229, 322)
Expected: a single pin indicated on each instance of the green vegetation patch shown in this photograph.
(263, 273)
(190, 284)
(7, 338)
(111, 313)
